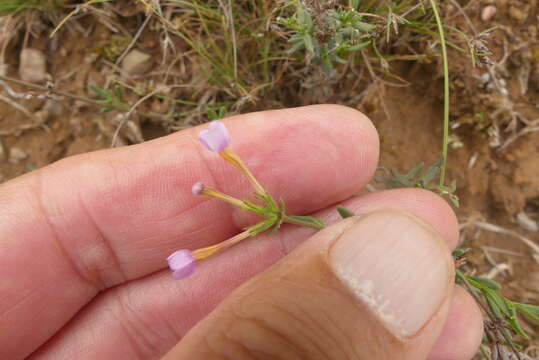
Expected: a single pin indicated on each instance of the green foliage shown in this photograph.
(13, 6)
(419, 177)
(111, 100)
(305, 221)
(344, 212)
(504, 323)
(216, 114)
(505, 311)
(337, 33)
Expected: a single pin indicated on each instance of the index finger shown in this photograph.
(92, 221)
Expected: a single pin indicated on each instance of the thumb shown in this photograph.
(374, 287)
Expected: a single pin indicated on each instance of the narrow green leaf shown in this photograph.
(488, 283)
(415, 171)
(104, 94)
(512, 319)
(339, 59)
(364, 26)
(454, 200)
(118, 91)
(349, 32)
(309, 221)
(358, 47)
(401, 178)
(344, 212)
(297, 46)
(261, 227)
(460, 252)
(304, 17)
(295, 38)
(308, 40)
(453, 186)
(493, 303)
(529, 311)
(431, 172)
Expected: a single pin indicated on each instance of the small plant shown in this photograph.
(114, 100)
(421, 179)
(330, 37)
(217, 139)
(503, 323)
(216, 113)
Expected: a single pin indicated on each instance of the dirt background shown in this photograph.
(494, 153)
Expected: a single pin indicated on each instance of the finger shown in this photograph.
(377, 287)
(422, 203)
(92, 221)
(463, 330)
(160, 311)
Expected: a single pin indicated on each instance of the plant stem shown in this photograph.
(446, 90)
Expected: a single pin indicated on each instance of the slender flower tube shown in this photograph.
(181, 263)
(200, 189)
(217, 138)
(230, 156)
(203, 253)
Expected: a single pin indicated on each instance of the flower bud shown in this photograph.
(198, 188)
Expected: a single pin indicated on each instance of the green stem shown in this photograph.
(446, 90)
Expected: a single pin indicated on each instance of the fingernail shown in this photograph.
(397, 266)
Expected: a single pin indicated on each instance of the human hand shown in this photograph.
(84, 243)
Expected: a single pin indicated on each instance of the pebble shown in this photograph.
(488, 12)
(32, 66)
(137, 62)
(42, 115)
(518, 14)
(16, 155)
(53, 107)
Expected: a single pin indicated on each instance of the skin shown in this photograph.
(84, 240)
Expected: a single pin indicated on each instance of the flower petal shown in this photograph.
(182, 263)
(215, 137)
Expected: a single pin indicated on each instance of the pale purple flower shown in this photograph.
(198, 188)
(215, 137)
(182, 264)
